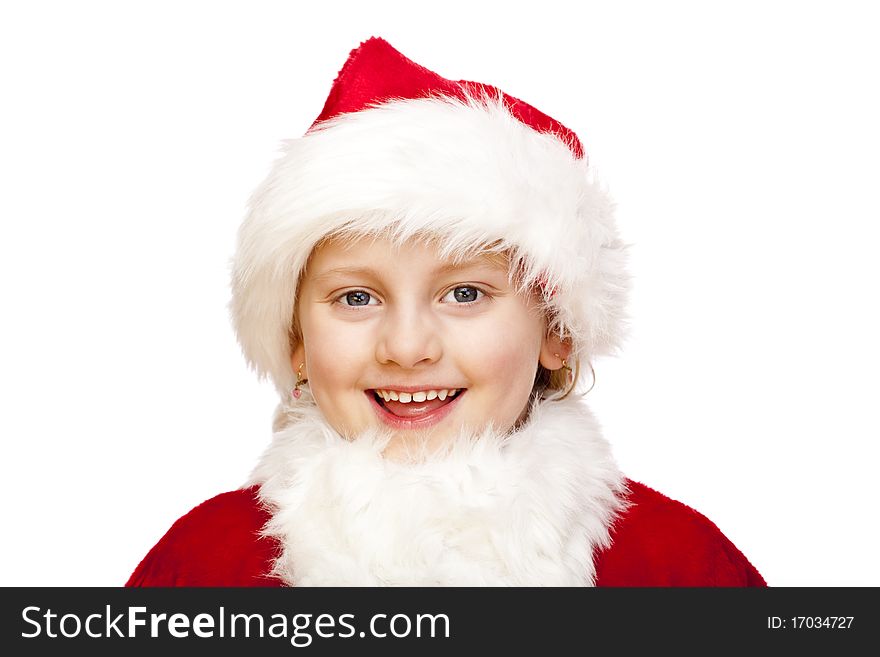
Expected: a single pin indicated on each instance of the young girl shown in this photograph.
(425, 276)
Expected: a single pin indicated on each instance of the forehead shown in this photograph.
(380, 254)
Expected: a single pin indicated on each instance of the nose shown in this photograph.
(409, 337)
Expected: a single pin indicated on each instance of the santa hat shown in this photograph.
(402, 151)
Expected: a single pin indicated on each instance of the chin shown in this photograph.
(417, 445)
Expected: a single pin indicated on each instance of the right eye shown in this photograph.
(357, 298)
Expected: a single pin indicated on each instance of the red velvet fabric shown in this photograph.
(656, 542)
(661, 542)
(375, 72)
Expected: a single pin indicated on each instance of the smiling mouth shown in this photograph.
(417, 408)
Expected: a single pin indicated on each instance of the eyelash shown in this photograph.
(481, 294)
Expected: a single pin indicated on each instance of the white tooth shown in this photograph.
(441, 394)
(453, 393)
(385, 395)
(404, 397)
(419, 396)
(432, 394)
(392, 395)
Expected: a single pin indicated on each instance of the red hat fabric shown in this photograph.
(375, 72)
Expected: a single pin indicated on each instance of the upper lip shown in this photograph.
(398, 388)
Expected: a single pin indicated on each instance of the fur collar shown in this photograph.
(529, 509)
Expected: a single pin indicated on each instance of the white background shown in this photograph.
(740, 141)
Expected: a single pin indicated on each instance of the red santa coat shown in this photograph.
(543, 506)
(656, 541)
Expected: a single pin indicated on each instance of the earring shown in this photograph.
(568, 375)
(564, 364)
(300, 382)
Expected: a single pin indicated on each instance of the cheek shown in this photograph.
(334, 353)
(504, 352)
(337, 358)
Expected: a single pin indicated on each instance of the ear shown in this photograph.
(553, 350)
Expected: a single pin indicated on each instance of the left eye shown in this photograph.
(357, 298)
(463, 294)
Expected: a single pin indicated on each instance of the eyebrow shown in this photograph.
(438, 271)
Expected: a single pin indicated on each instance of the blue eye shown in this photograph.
(357, 298)
(464, 294)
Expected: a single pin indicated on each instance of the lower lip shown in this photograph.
(421, 422)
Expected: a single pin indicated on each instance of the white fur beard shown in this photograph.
(528, 509)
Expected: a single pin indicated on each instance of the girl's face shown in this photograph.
(395, 337)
